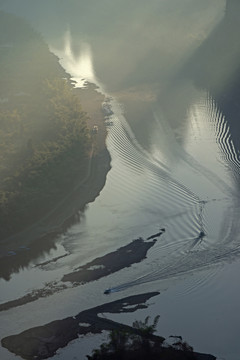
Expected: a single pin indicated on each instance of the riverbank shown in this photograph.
(41, 235)
(48, 148)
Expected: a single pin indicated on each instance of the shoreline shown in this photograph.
(66, 211)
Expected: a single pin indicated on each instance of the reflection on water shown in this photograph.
(80, 65)
(175, 157)
(163, 186)
(132, 43)
(192, 197)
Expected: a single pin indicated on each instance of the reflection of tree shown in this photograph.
(21, 256)
(141, 343)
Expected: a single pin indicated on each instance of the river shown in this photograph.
(174, 165)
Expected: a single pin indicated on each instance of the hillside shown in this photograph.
(45, 143)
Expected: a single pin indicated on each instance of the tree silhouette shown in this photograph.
(141, 344)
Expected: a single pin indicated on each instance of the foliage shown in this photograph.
(44, 140)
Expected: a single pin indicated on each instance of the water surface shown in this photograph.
(175, 164)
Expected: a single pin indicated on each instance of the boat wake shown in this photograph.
(199, 206)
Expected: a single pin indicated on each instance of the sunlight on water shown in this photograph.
(80, 65)
(208, 140)
(195, 197)
(182, 182)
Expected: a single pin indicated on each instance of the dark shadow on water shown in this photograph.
(15, 260)
(17, 255)
(124, 257)
(215, 68)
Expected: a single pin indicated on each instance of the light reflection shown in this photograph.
(209, 140)
(80, 66)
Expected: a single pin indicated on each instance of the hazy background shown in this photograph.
(172, 68)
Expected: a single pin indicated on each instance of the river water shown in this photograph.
(174, 165)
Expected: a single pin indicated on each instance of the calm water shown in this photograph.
(175, 164)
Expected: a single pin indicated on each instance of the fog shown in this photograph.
(170, 71)
(132, 42)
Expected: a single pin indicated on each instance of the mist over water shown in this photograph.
(175, 158)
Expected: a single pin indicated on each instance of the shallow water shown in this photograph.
(174, 165)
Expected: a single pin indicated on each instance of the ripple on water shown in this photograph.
(182, 210)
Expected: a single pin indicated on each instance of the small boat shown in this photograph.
(156, 235)
(107, 291)
(201, 235)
